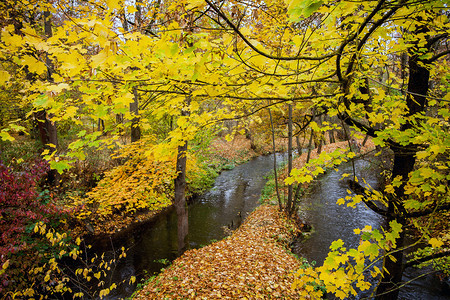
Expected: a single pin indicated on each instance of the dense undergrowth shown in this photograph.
(42, 225)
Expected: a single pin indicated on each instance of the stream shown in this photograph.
(153, 245)
(331, 221)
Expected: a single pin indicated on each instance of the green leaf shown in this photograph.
(59, 166)
(311, 8)
(6, 137)
(174, 49)
(337, 244)
(372, 251)
(76, 144)
(302, 9)
(101, 111)
(376, 235)
(395, 226)
(41, 100)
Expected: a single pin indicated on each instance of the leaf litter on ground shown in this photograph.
(253, 263)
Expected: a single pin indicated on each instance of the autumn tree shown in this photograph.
(201, 62)
(346, 65)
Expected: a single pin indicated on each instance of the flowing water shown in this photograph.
(331, 221)
(235, 193)
(153, 244)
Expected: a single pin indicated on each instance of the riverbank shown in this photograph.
(253, 263)
(220, 155)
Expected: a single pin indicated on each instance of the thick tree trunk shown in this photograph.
(388, 287)
(404, 160)
(180, 192)
(180, 198)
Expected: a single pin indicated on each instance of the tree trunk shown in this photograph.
(299, 145)
(180, 198)
(331, 133)
(365, 140)
(310, 146)
(180, 192)
(134, 109)
(320, 137)
(404, 160)
(289, 204)
(331, 136)
(47, 128)
(50, 126)
(100, 125)
(280, 205)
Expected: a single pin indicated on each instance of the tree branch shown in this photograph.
(437, 56)
(426, 212)
(360, 190)
(426, 258)
(253, 47)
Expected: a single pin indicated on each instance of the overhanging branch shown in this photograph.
(360, 190)
(417, 261)
(426, 212)
(253, 47)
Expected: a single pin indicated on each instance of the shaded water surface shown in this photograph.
(153, 244)
(331, 221)
(236, 192)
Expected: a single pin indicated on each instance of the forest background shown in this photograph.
(141, 88)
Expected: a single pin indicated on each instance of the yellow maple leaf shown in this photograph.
(34, 65)
(4, 77)
(435, 243)
(195, 3)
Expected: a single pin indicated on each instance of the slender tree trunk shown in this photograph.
(310, 146)
(331, 133)
(100, 125)
(180, 192)
(366, 138)
(180, 198)
(50, 126)
(289, 204)
(134, 109)
(49, 129)
(134, 106)
(331, 136)
(299, 145)
(280, 205)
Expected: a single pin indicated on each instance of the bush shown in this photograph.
(21, 206)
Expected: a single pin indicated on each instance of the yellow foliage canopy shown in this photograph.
(142, 182)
